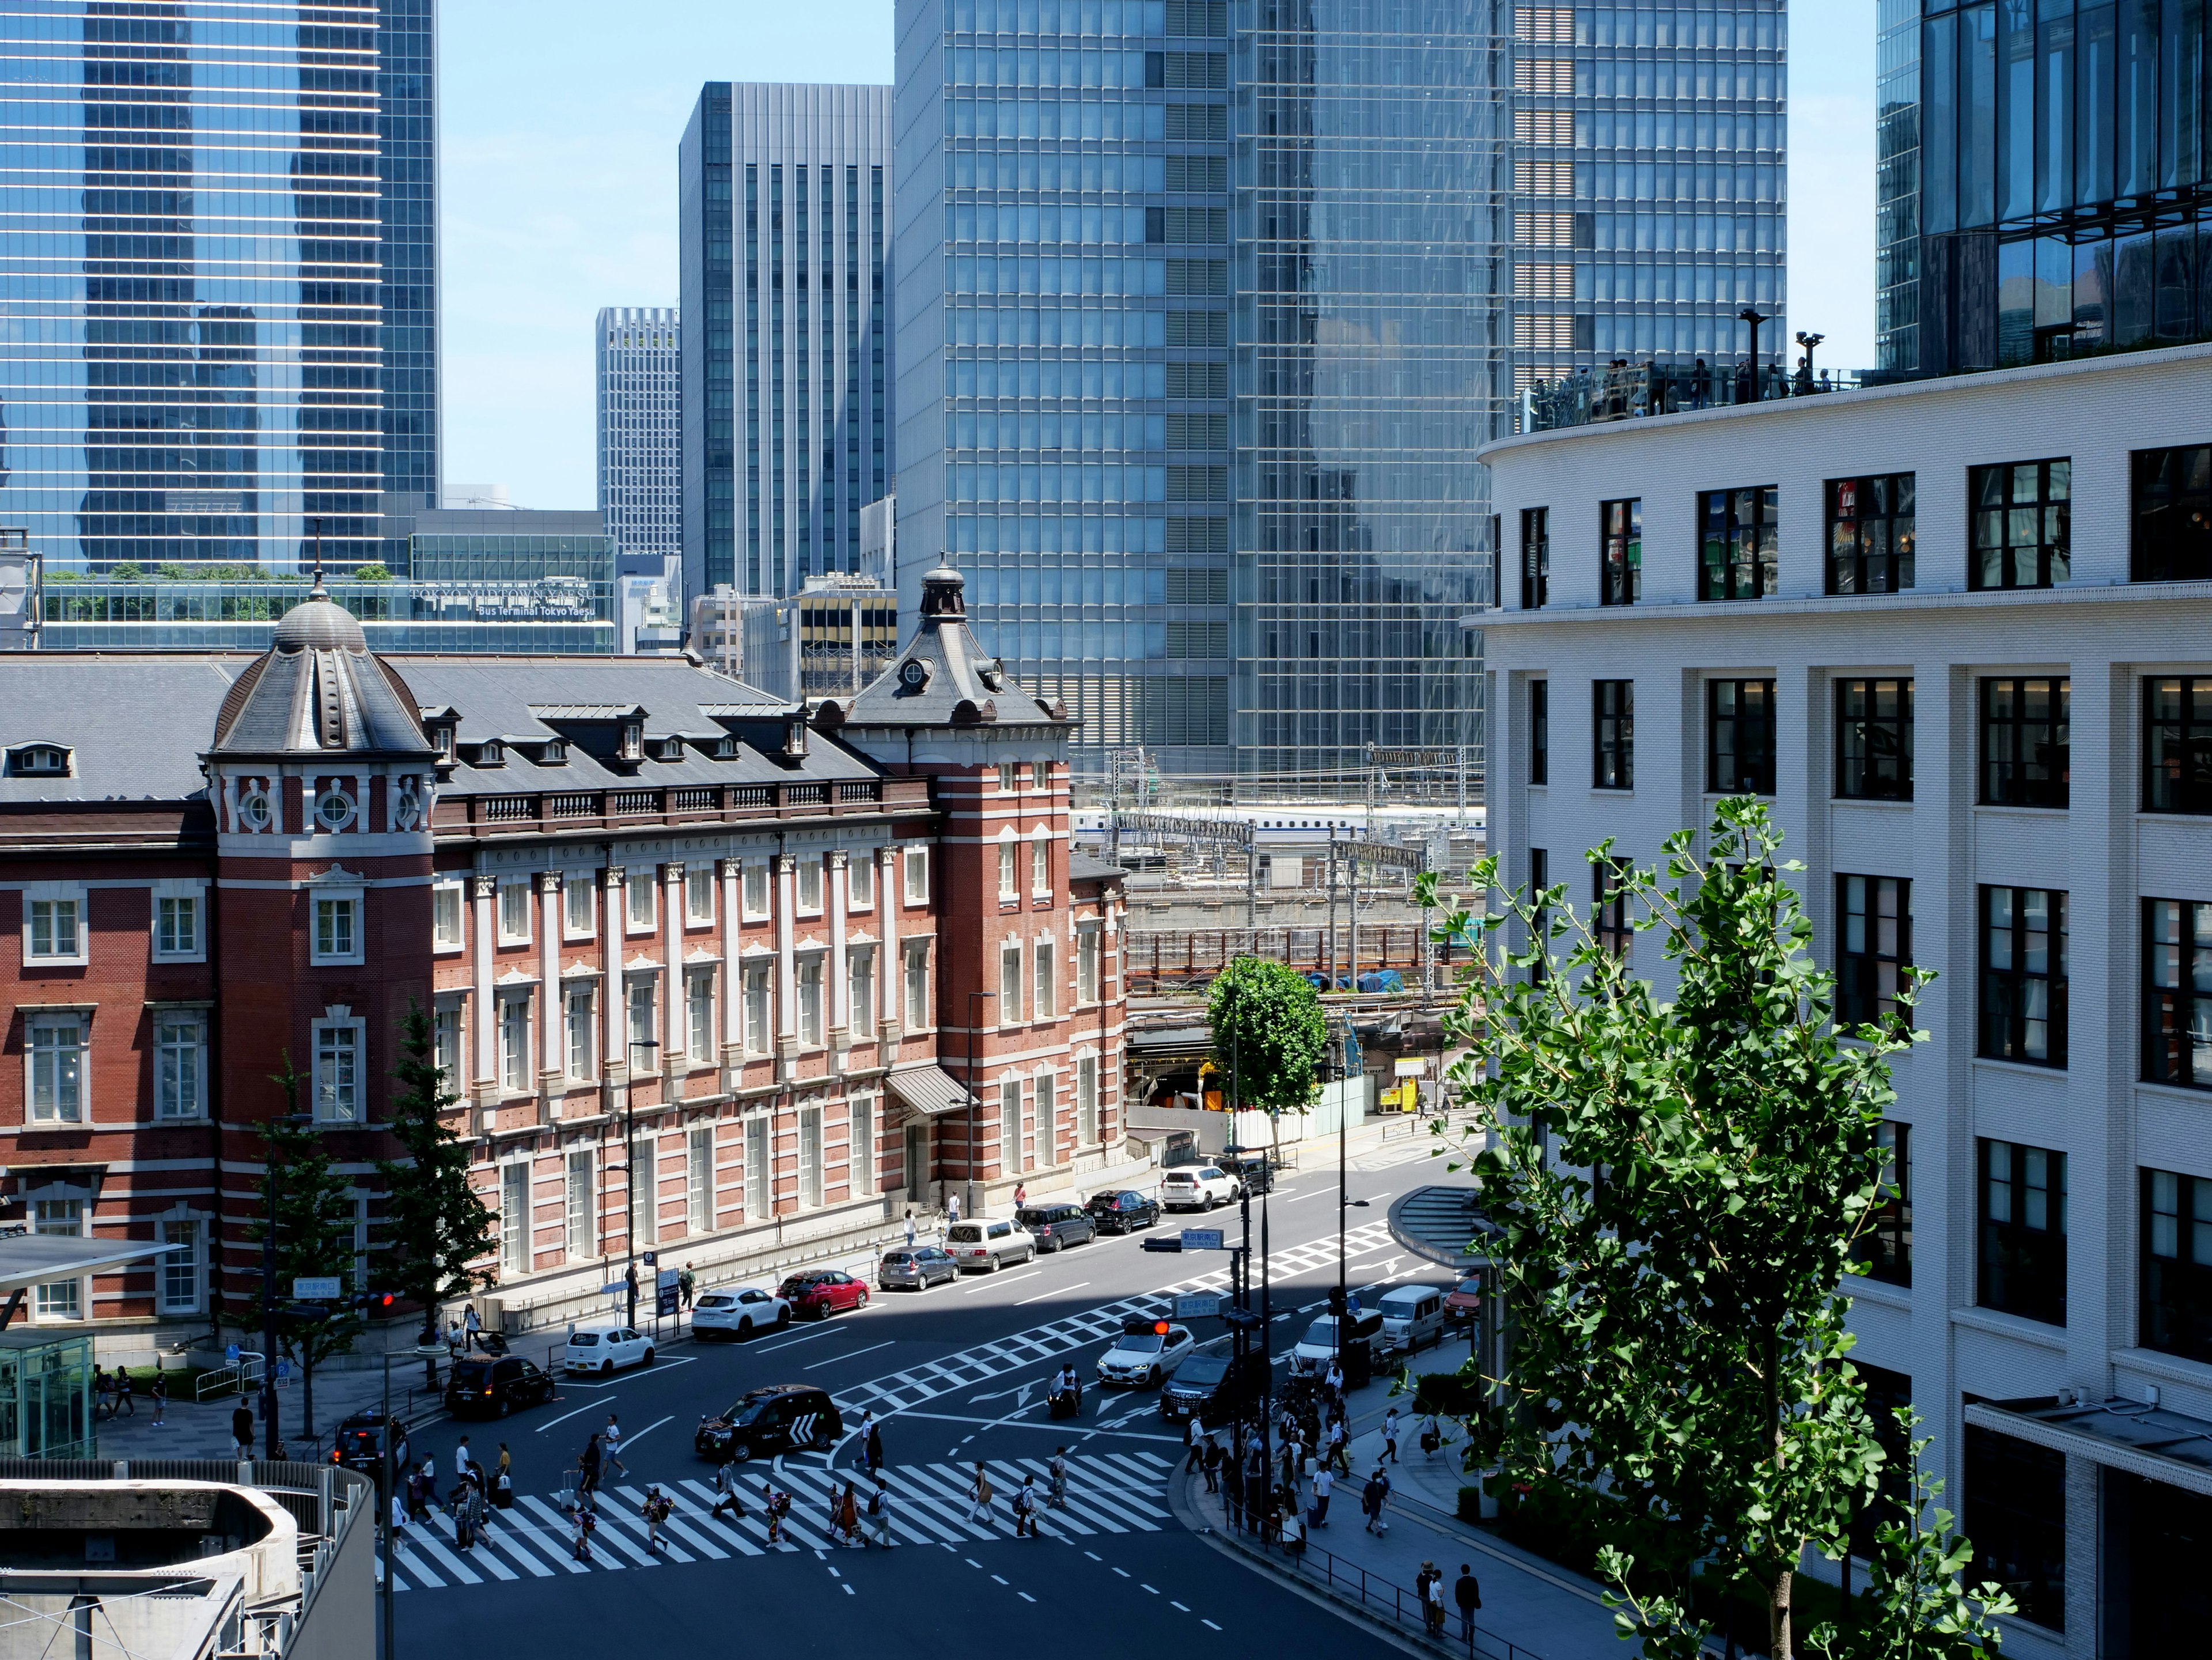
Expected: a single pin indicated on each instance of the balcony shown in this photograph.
(568, 811)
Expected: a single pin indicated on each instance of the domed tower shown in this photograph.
(322, 783)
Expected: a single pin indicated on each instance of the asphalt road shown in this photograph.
(956, 1375)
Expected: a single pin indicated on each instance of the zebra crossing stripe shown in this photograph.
(949, 1489)
(679, 1525)
(706, 1522)
(560, 1524)
(627, 1531)
(515, 1529)
(489, 1561)
(1123, 1463)
(445, 1559)
(403, 1556)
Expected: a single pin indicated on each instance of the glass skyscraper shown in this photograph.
(637, 355)
(784, 194)
(220, 258)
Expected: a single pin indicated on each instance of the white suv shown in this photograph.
(988, 1242)
(1198, 1187)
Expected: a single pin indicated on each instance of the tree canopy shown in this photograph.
(436, 1225)
(1269, 1031)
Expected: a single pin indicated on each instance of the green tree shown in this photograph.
(1269, 1029)
(313, 1209)
(128, 570)
(434, 1224)
(1680, 1185)
(374, 571)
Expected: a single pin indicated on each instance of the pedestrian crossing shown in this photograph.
(1107, 1493)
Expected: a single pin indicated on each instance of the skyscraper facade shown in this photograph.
(784, 195)
(639, 498)
(220, 253)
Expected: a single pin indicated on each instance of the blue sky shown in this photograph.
(559, 194)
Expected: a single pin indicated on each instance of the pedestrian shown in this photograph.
(1432, 1434)
(1371, 1501)
(1212, 1465)
(844, 1517)
(589, 1464)
(686, 1283)
(909, 1227)
(102, 1387)
(465, 1462)
(1234, 1479)
(582, 1524)
(613, 1434)
(1194, 1436)
(1339, 1453)
(1323, 1484)
(161, 1394)
(506, 1466)
(1025, 1506)
(398, 1515)
(979, 1496)
(655, 1510)
(1435, 1602)
(454, 1343)
(1021, 1195)
(414, 1494)
(124, 1404)
(776, 1505)
(872, 1449)
(879, 1516)
(1390, 1435)
(1057, 1472)
(727, 1494)
(629, 1281)
(1467, 1591)
(952, 1208)
(471, 1329)
(1334, 1381)
(469, 1522)
(1294, 1535)
(429, 1480)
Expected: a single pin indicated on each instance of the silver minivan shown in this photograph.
(1413, 1316)
(988, 1242)
(1313, 1352)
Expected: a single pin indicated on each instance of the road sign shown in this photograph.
(284, 1368)
(322, 1288)
(1202, 1238)
(230, 1354)
(613, 1288)
(1197, 1308)
(664, 1301)
(649, 1258)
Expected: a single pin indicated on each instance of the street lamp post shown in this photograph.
(968, 1134)
(629, 1176)
(1753, 315)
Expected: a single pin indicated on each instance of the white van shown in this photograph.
(988, 1242)
(1318, 1347)
(1413, 1316)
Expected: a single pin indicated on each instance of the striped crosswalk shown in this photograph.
(1107, 1493)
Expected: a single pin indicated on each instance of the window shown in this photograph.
(1609, 907)
(810, 1002)
(1041, 863)
(1010, 776)
(643, 1191)
(2178, 993)
(448, 932)
(756, 1171)
(1086, 1100)
(1539, 926)
(917, 985)
(2015, 1511)
(1088, 939)
(1874, 741)
(338, 1072)
(1739, 736)
(2024, 743)
(2173, 507)
(1535, 558)
(699, 1181)
(699, 1014)
(180, 1272)
(916, 862)
(57, 1060)
(1009, 866)
(177, 926)
(579, 1214)
(2017, 524)
(1874, 948)
(755, 891)
(757, 1035)
(1045, 1003)
(810, 883)
(2178, 746)
(1612, 710)
(1870, 534)
(445, 1044)
(55, 929)
(576, 907)
(1540, 731)
(644, 1040)
(1010, 1126)
(513, 913)
(62, 1219)
(862, 1177)
(1740, 543)
(179, 1064)
(337, 932)
(1009, 984)
(1621, 568)
(1040, 775)
(860, 882)
(2177, 1264)
(2023, 1006)
(1884, 1250)
(515, 1068)
(699, 896)
(1045, 1137)
(581, 1008)
(810, 1158)
(514, 1218)
(2023, 1232)
(640, 887)
(861, 990)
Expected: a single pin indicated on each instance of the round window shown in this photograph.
(334, 810)
(253, 810)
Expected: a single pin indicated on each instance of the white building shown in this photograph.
(640, 494)
(1739, 599)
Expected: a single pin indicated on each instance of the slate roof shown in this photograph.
(138, 722)
(319, 690)
(1083, 867)
(962, 684)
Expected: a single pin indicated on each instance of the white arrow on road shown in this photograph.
(1020, 1397)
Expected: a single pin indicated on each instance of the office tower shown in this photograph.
(2063, 199)
(221, 262)
(784, 201)
(638, 494)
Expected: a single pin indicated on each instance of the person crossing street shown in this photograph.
(613, 1433)
(878, 1517)
(980, 1495)
(776, 1504)
(1025, 1508)
(728, 1495)
(1057, 1473)
(655, 1510)
(873, 1448)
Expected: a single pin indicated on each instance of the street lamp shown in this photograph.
(1805, 368)
(1751, 315)
(648, 1044)
(968, 1131)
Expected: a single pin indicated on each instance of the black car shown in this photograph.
(1255, 1171)
(359, 1443)
(1055, 1227)
(493, 1386)
(781, 1418)
(1122, 1211)
(1216, 1389)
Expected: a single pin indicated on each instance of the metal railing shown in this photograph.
(636, 803)
(1625, 392)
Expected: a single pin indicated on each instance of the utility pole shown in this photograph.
(1331, 976)
(1352, 883)
(270, 1445)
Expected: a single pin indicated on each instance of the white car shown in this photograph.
(739, 1313)
(1143, 1356)
(1198, 1187)
(604, 1349)
(988, 1242)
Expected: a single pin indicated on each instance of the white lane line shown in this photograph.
(792, 1342)
(632, 1439)
(1174, 1604)
(1203, 1621)
(1148, 1587)
(1094, 1556)
(1057, 1291)
(566, 1416)
(1124, 1572)
(849, 1354)
(1315, 1194)
(1026, 1596)
(1001, 1279)
(996, 1576)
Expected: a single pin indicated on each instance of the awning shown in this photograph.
(1444, 1224)
(927, 1089)
(2152, 1442)
(33, 1259)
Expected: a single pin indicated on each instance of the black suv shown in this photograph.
(1255, 1171)
(359, 1444)
(1216, 1389)
(494, 1386)
(1123, 1210)
(1055, 1227)
(781, 1418)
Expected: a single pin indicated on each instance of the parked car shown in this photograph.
(1412, 1316)
(1145, 1354)
(988, 1242)
(359, 1444)
(607, 1348)
(1122, 1210)
(1254, 1170)
(495, 1385)
(762, 1422)
(1055, 1227)
(1464, 1301)
(1196, 1187)
(821, 1292)
(1317, 1347)
(1215, 1389)
(722, 1314)
(917, 1269)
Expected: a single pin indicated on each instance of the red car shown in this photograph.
(823, 1293)
(1465, 1302)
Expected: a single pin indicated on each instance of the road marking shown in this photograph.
(850, 1591)
(632, 1440)
(1026, 1596)
(791, 1343)
(848, 1355)
(1000, 1279)
(1124, 1572)
(1203, 1621)
(1148, 1587)
(566, 1416)
(972, 1562)
(1061, 1290)
(996, 1576)
(1174, 1604)
(833, 1574)
(1315, 1194)
(1094, 1556)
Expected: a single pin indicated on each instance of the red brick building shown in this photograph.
(751, 951)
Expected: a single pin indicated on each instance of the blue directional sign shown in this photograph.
(1197, 1308)
(1202, 1238)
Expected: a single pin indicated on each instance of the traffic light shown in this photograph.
(374, 1302)
(1159, 1328)
(1336, 1301)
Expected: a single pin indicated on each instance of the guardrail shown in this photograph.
(236, 1380)
(571, 805)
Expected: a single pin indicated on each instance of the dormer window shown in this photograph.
(39, 760)
(726, 749)
(491, 754)
(553, 754)
(441, 738)
(668, 749)
(632, 740)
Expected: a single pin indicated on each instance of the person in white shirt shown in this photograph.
(1323, 1485)
(1390, 1434)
